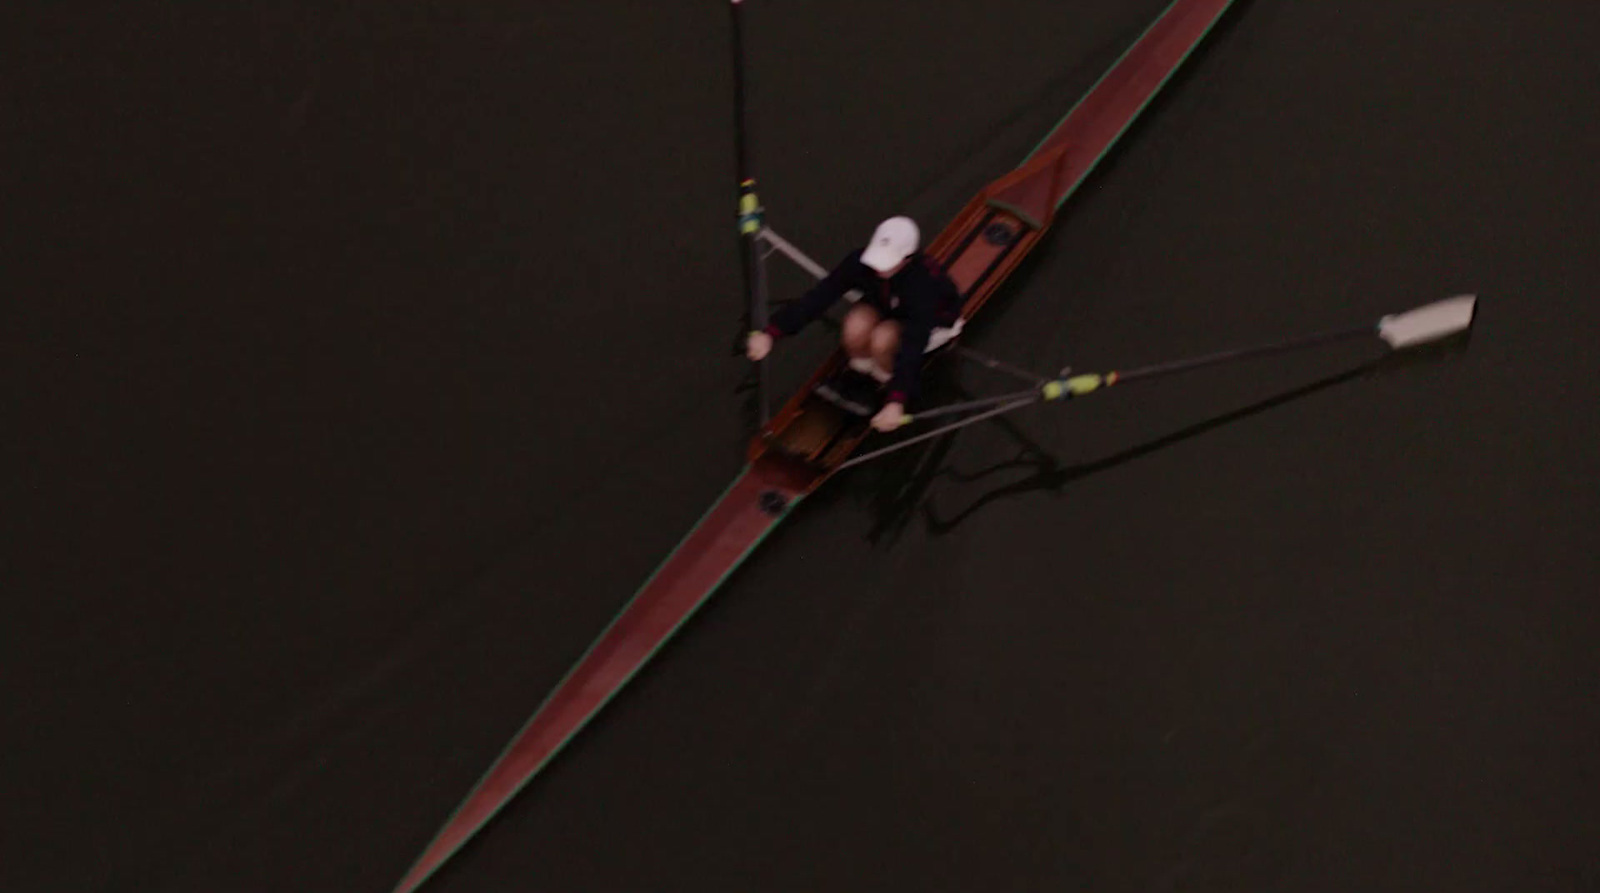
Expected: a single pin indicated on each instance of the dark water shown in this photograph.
(360, 362)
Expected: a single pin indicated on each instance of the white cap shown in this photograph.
(895, 240)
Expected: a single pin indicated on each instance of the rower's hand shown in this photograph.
(758, 346)
(890, 417)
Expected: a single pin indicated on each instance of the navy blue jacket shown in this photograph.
(921, 296)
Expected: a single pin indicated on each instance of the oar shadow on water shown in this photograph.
(1052, 475)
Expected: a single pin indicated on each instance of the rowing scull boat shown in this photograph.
(809, 439)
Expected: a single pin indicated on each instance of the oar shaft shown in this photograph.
(741, 156)
(1227, 356)
(1157, 370)
(755, 274)
(1426, 324)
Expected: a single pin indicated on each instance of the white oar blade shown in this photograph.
(1430, 322)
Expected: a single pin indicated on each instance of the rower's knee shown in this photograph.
(857, 332)
(885, 342)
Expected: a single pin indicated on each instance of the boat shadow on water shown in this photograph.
(902, 487)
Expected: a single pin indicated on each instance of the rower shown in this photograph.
(908, 305)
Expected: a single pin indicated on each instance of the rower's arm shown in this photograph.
(915, 330)
(938, 296)
(797, 314)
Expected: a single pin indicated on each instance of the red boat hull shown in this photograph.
(758, 499)
(806, 440)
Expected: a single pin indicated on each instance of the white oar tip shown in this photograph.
(1430, 322)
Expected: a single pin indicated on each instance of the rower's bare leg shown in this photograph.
(857, 332)
(885, 343)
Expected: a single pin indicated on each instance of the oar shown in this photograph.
(1423, 325)
(1401, 331)
(755, 271)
